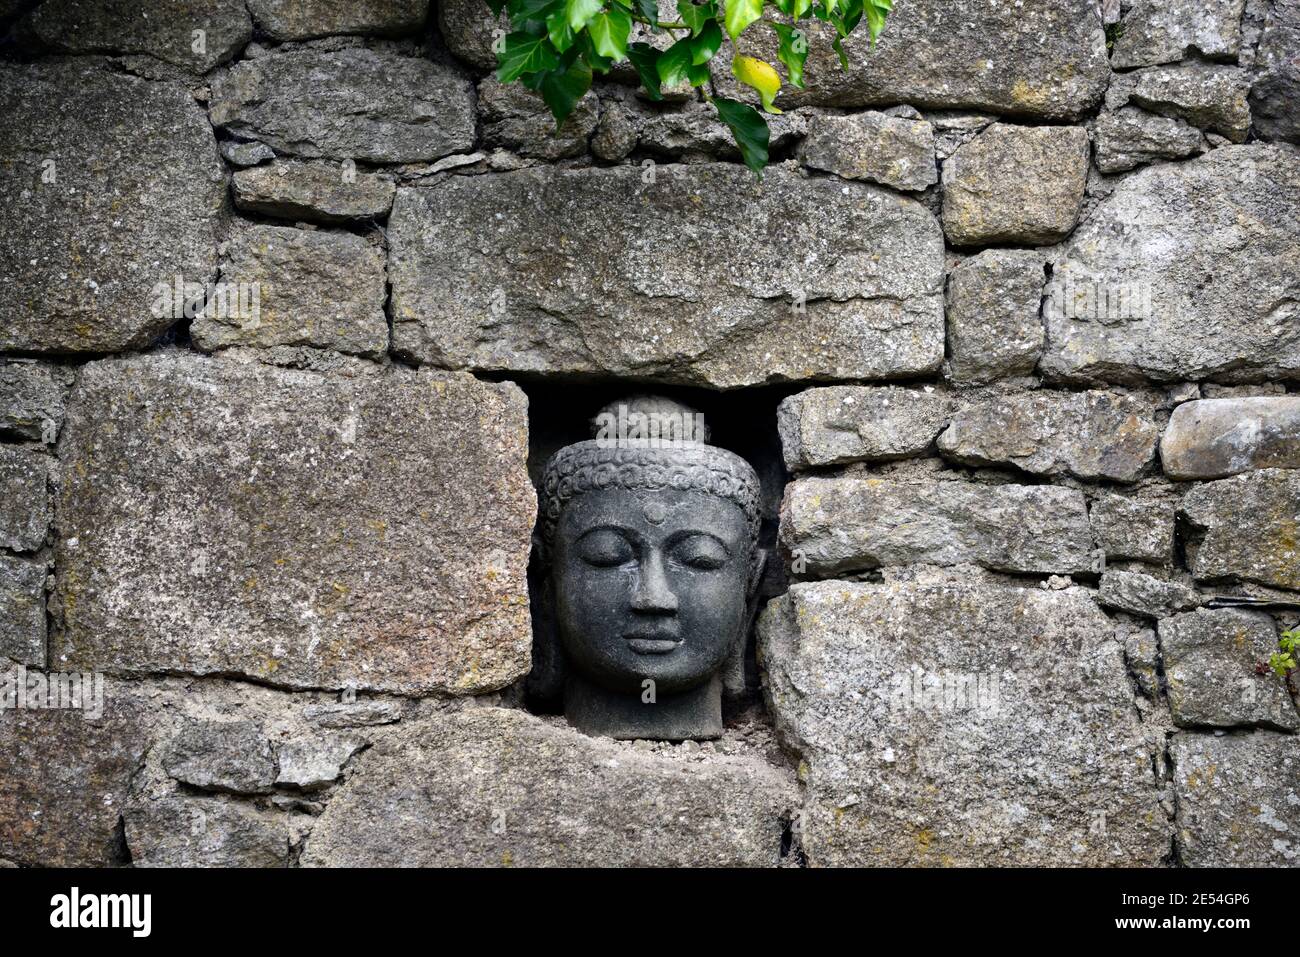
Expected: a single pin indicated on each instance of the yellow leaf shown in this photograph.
(761, 76)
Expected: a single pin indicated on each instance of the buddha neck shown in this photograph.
(694, 715)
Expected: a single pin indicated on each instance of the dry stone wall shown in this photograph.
(284, 314)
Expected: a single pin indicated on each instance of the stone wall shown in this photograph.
(1018, 302)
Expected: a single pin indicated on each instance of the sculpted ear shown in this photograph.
(757, 562)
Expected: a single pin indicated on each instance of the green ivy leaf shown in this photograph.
(793, 52)
(525, 53)
(795, 9)
(674, 62)
(609, 32)
(645, 59)
(580, 12)
(696, 15)
(749, 130)
(558, 30)
(532, 9)
(838, 47)
(562, 88)
(761, 76)
(648, 9)
(698, 74)
(704, 46)
(740, 14)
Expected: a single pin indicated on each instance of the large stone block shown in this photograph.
(491, 786)
(1246, 527)
(1015, 184)
(838, 424)
(1163, 31)
(1211, 658)
(1090, 435)
(994, 329)
(323, 192)
(1145, 595)
(22, 611)
(890, 150)
(830, 526)
(319, 289)
(1129, 137)
(1134, 528)
(599, 271)
(24, 498)
(166, 29)
(1215, 438)
(1205, 254)
(186, 830)
(307, 19)
(109, 185)
(304, 529)
(1275, 93)
(1238, 799)
(1042, 60)
(64, 775)
(233, 756)
(1213, 98)
(353, 103)
(1011, 740)
(516, 118)
(32, 395)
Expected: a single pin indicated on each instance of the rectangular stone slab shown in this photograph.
(301, 529)
(953, 724)
(689, 274)
(841, 524)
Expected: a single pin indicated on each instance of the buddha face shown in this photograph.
(650, 584)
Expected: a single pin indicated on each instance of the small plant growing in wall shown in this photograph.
(1283, 661)
(554, 48)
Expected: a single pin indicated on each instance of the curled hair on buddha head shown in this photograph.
(645, 444)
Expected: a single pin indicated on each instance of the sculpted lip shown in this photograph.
(651, 645)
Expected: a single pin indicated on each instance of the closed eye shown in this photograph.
(701, 551)
(605, 548)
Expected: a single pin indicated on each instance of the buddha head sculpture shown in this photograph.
(649, 547)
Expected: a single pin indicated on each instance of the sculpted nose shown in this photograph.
(653, 596)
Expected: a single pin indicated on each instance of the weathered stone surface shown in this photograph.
(312, 763)
(1210, 658)
(691, 129)
(161, 28)
(22, 610)
(1207, 96)
(1139, 529)
(1015, 184)
(994, 329)
(596, 271)
(889, 150)
(31, 400)
(492, 786)
(1090, 435)
(845, 524)
(353, 103)
(469, 28)
(306, 19)
(65, 777)
(1142, 652)
(1145, 595)
(1043, 60)
(838, 424)
(1128, 137)
(319, 289)
(24, 499)
(178, 830)
(246, 154)
(304, 529)
(358, 714)
(1248, 527)
(323, 192)
(1238, 801)
(1210, 245)
(232, 756)
(516, 118)
(134, 202)
(1275, 93)
(1014, 740)
(1163, 31)
(1215, 438)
